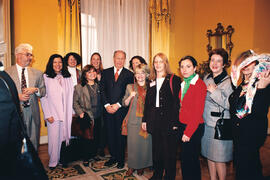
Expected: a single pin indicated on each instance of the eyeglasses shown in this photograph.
(27, 54)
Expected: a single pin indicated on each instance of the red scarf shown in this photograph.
(140, 101)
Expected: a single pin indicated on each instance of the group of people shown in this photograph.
(158, 108)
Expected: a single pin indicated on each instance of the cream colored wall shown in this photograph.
(35, 22)
(192, 18)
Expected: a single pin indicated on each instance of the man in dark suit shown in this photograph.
(10, 137)
(113, 86)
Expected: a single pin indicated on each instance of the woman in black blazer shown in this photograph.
(249, 105)
(160, 115)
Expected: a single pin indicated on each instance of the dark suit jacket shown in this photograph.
(251, 131)
(169, 105)
(10, 137)
(112, 92)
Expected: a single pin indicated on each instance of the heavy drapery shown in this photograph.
(69, 36)
(109, 25)
(159, 11)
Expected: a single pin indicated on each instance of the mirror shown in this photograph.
(220, 38)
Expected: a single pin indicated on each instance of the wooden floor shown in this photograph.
(265, 158)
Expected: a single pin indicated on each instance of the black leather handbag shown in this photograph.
(223, 128)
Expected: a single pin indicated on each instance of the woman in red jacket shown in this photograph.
(192, 97)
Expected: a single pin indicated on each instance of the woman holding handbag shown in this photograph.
(139, 147)
(57, 106)
(87, 103)
(249, 105)
(219, 88)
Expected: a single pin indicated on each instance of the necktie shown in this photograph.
(23, 86)
(116, 75)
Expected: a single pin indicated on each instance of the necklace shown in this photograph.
(93, 88)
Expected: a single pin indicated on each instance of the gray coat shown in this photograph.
(217, 101)
(35, 79)
(82, 101)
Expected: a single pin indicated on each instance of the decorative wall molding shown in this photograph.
(5, 43)
(43, 140)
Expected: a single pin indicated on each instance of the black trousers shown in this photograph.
(116, 142)
(247, 163)
(189, 156)
(164, 149)
(97, 135)
(164, 146)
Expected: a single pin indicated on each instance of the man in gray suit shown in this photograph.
(30, 86)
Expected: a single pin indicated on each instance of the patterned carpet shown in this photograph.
(118, 175)
(60, 172)
(109, 172)
(98, 166)
(95, 167)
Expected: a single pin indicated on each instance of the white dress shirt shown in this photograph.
(19, 69)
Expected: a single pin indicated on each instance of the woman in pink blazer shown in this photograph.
(57, 106)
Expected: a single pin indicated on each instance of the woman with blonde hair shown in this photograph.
(160, 115)
(249, 105)
(139, 142)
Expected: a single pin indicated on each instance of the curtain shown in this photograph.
(159, 27)
(109, 25)
(5, 44)
(69, 36)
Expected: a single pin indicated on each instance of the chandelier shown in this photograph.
(160, 10)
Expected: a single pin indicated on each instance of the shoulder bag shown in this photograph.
(223, 128)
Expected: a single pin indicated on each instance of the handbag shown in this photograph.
(82, 127)
(223, 128)
(124, 130)
(28, 164)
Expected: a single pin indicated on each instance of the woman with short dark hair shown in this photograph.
(135, 61)
(219, 88)
(86, 101)
(192, 98)
(72, 60)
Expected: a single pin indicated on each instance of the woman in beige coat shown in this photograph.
(86, 99)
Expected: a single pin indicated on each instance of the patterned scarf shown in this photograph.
(187, 84)
(140, 101)
(262, 66)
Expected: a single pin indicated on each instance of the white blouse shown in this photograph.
(159, 82)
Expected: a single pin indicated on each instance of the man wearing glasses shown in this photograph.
(30, 86)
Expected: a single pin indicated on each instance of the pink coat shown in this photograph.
(57, 102)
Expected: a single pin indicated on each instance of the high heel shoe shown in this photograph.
(129, 172)
(52, 168)
(140, 172)
(86, 163)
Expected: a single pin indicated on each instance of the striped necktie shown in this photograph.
(23, 86)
